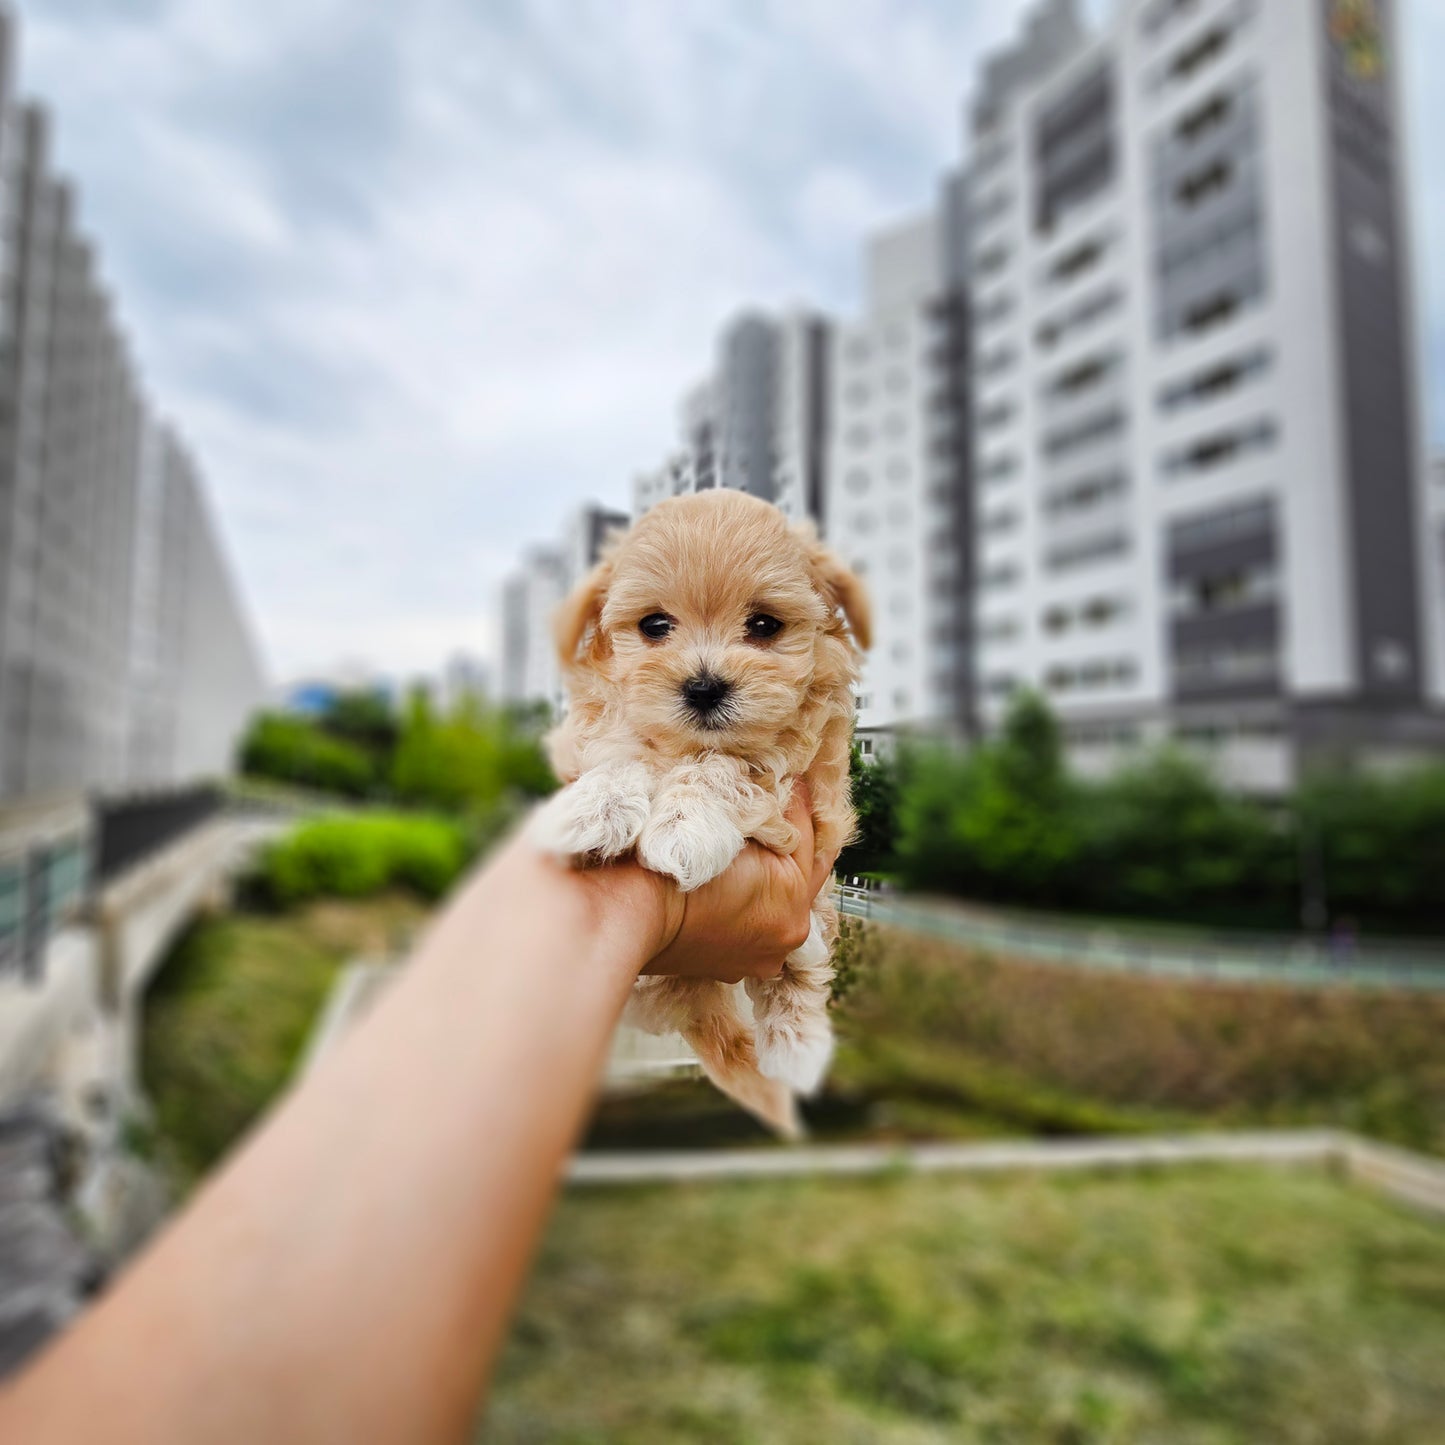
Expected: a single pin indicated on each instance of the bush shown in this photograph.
(292, 750)
(1002, 820)
(473, 760)
(468, 760)
(1162, 838)
(357, 856)
(875, 798)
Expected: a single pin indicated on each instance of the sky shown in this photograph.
(416, 282)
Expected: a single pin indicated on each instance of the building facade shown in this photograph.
(530, 598)
(1198, 449)
(125, 659)
(898, 487)
(758, 423)
(1130, 414)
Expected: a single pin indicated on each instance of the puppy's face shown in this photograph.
(710, 623)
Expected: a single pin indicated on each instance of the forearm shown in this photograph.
(349, 1274)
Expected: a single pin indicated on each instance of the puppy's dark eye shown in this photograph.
(762, 627)
(655, 626)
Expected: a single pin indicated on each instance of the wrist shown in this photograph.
(633, 907)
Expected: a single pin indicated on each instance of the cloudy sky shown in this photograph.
(416, 280)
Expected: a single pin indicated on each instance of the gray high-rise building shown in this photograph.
(125, 658)
(758, 422)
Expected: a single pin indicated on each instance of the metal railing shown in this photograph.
(1299, 963)
(130, 829)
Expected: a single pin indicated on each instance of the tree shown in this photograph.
(292, 750)
(875, 786)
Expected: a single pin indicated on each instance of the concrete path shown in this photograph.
(1412, 1178)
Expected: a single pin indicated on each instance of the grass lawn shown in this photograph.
(230, 1012)
(1213, 1305)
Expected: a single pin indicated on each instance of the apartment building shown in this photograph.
(1197, 443)
(1434, 564)
(530, 598)
(125, 658)
(898, 476)
(757, 423)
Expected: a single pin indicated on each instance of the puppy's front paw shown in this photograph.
(690, 844)
(599, 816)
(796, 1052)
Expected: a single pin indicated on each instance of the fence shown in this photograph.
(45, 858)
(1298, 963)
(53, 855)
(128, 829)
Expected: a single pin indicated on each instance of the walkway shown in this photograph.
(1081, 943)
(1411, 1178)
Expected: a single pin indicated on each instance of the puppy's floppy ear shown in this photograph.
(580, 612)
(842, 589)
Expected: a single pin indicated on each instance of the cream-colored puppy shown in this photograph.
(709, 668)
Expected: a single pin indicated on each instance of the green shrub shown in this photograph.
(1162, 837)
(357, 856)
(292, 750)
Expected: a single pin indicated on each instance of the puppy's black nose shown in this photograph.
(705, 693)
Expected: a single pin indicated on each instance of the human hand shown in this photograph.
(747, 921)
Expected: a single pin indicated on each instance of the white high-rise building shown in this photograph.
(126, 658)
(896, 489)
(1200, 485)
(530, 598)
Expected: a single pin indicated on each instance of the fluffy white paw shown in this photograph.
(692, 847)
(598, 816)
(797, 1057)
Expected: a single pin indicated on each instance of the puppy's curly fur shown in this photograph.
(684, 739)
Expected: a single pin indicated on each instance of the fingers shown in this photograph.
(822, 871)
(799, 813)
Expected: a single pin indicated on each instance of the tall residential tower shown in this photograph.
(1198, 448)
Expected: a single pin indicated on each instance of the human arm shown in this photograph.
(349, 1273)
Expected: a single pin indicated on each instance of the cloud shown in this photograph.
(417, 283)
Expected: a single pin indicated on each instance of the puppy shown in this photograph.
(711, 659)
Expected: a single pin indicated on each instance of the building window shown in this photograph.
(1214, 381)
(999, 577)
(1083, 376)
(1233, 589)
(1077, 261)
(1087, 493)
(1219, 449)
(1091, 429)
(1226, 524)
(999, 469)
(1000, 629)
(1084, 554)
(997, 415)
(1226, 665)
(1081, 314)
(991, 262)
